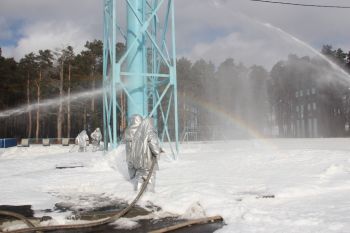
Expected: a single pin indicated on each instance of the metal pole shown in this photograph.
(114, 76)
(174, 79)
(105, 67)
(135, 60)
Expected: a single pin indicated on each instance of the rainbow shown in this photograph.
(232, 119)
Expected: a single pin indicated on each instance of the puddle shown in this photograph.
(147, 225)
(142, 225)
(25, 210)
(69, 167)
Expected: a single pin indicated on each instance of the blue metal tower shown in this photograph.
(144, 72)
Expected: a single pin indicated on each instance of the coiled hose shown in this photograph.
(33, 228)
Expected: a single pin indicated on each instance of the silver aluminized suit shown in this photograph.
(144, 148)
(135, 122)
(96, 137)
(82, 140)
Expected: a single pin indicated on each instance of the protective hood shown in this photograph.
(135, 122)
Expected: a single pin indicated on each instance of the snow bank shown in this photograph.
(281, 185)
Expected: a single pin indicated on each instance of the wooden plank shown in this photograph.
(188, 223)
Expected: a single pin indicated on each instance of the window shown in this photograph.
(313, 90)
(302, 111)
(308, 107)
(302, 128)
(308, 92)
(309, 123)
(296, 94)
(298, 128)
(301, 93)
(314, 106)
(297, 108)
(315, 127)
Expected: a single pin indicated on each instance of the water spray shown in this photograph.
(304, 44)
(49, 103)
(219, 4)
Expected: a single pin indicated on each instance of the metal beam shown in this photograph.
(137, 72)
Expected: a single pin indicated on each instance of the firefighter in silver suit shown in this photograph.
(82, 140)
(135, 122)
(145, 148)
(96, 138)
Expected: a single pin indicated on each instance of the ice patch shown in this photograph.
(196, 210)
(11, 226)
(302, 191)
(100, 165)
(125, 224)
(336, 227)
(334, 170)
(35, 151)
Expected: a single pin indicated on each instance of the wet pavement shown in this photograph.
(143, 225)
(149, 225)
(25, 210)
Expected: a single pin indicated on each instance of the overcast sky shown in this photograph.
(211, 29)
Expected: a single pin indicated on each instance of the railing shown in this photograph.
(51, 140)
(8, 142)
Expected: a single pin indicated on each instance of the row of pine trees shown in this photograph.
(51, 74)
(260, 98)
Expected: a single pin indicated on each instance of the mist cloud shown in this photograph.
(203, 26)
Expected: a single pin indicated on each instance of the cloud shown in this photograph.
(260, 48)
(49, 24)
(242, 30)
(6, 33)
(49, 35)
(201, 25)
(308, 23)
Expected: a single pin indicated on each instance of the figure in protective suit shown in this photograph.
(135, 122)
(143, 148)
(82, 140)
(96, 137)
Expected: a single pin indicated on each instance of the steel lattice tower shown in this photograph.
(139, 64)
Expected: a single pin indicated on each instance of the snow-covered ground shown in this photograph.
(309, 178)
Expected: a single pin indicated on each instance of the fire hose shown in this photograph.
(32, 228)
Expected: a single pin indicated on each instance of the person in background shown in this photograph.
(82, 140)
(96, 138)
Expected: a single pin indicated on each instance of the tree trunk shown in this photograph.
(60, 108)
(93, 89)
(68, 107)
(29, 111)
(84, 120)
(13, 126)
(38, 82)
